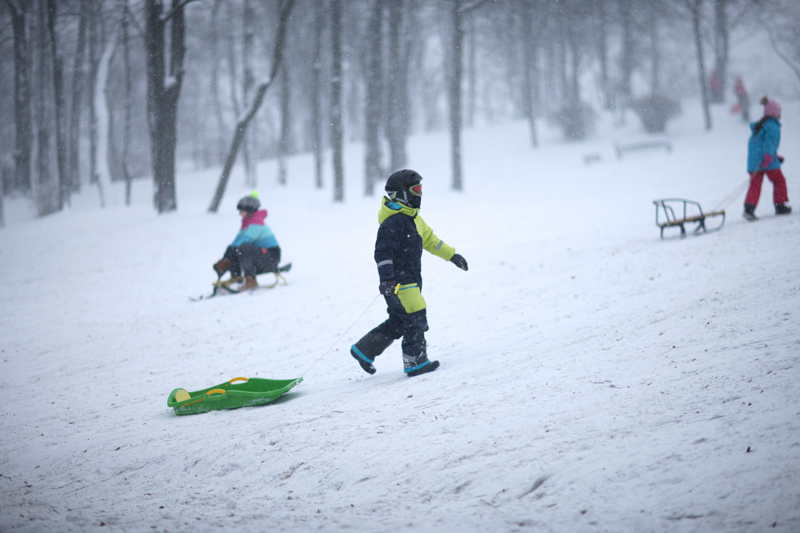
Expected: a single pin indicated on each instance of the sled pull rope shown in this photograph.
(732, 196)
(341, 337)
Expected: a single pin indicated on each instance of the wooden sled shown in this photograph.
(689, 212)
(234, 393)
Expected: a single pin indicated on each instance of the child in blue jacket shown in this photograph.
(254, 250)
(763, 158)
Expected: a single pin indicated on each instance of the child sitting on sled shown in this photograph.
(255, 249)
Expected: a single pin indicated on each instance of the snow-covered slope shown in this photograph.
(593, 378)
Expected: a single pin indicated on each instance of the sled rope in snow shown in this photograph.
(732, 196)
(340, 338)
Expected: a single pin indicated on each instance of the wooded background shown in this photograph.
(95, 91)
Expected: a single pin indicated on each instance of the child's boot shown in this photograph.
(782, 209)
(414, 366)
(750, 212)
(363, 360)
(369, 347)
(249, 283)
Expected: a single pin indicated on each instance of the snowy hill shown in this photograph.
(593, 378)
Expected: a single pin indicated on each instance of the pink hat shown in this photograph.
(772, 109)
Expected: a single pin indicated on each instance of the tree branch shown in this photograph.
(13, 8)
(243, 122)
(786, 59)
(471, 7)
(180, 6)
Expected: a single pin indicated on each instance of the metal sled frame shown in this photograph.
(219, 284)
(668, 219)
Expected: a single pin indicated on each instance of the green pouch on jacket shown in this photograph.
(411, 298)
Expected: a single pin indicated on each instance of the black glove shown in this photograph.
(460, 262)
(387, 287)
(781, 158)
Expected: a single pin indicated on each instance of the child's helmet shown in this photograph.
(404, 187)
(249, 203)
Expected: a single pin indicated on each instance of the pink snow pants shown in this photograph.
(779, 194)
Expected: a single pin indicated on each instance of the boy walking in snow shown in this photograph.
(254, 250)
(402, 236)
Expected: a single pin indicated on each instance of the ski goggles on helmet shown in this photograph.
(416, 190)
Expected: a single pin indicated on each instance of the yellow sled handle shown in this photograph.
(237, 379)
(215, 391)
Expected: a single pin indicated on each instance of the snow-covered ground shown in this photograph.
(593, 378)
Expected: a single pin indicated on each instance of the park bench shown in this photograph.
(644, 145)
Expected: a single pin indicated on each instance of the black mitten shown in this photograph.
(460, 262)
(387, 287)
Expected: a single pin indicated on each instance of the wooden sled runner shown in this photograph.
(234, 393)
(224, 287)
(688, 212)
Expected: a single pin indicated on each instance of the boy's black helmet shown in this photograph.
(404, 188)
(248, 203)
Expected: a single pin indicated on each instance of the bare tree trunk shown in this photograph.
(626, 12)
(316, 104)
(721, 47)
(531, 33)
(572, 40)
(602, 52)
(397, 85)
(93, 60)
(655, 57)
(78, 79)
(261, 91)
(103, 120)
(284, 143)
(456, 74)
(215, 81)
(126, 127)
(372, 111)
(45, 193)
(248, 82)
(696, 7)
(163, 93)
(472, 75)
(232, 76)
(23, 138)
(337, 131)
(60, 107)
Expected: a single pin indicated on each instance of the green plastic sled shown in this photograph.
(235, 393)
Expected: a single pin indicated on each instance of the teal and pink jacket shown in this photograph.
(255, 231)
(762, 148)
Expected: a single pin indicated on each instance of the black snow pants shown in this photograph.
(252, 259)
(411, 327)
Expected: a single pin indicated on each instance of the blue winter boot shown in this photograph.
(414, 366)
(363, 360)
